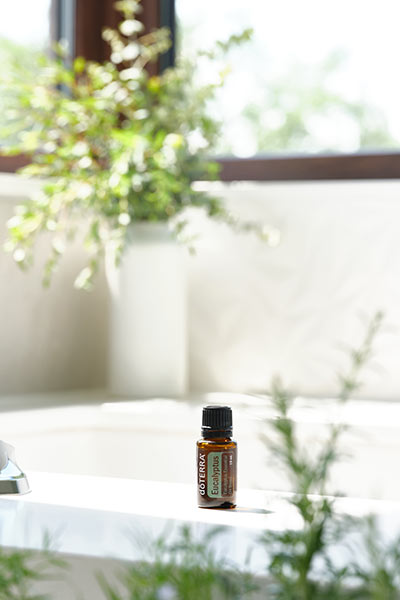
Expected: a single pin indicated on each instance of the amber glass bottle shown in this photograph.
(216, 459)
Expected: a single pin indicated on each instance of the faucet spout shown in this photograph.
(12, 479)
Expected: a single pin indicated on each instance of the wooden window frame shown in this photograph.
(10, 164)
(90, 18)
(312, 168)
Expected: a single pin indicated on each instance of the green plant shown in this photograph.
(378, 573)
(295, 554)
(184, 569)
(22, 569)
(300, 561)
(114, 144)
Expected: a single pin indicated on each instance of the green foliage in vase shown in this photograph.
(113, 144)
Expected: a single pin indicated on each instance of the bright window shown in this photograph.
(24, 31)
(317, 77)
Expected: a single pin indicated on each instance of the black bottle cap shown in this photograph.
(217, 421)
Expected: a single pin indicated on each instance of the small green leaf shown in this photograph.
(79, 65)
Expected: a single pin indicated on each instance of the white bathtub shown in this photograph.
(97, 520)
(155, 439)
(92, 441)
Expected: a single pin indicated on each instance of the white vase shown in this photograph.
(147, 348)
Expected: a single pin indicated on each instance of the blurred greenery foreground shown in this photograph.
(329, 556)
(113, 144)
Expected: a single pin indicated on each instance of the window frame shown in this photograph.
(61, 13)
(91, 16)
(313, 167)
(319, 167)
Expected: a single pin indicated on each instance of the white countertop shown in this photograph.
(100, 517)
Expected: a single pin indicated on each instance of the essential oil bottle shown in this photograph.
(216, 459)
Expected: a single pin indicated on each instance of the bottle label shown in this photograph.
(220, 471)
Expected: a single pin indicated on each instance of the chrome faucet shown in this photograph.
(12, 479)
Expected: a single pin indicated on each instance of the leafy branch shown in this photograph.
(294, 554)
(186, 568)
(20, 570)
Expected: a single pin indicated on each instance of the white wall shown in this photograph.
(49, 339)
(254, 311)
(257, 311)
